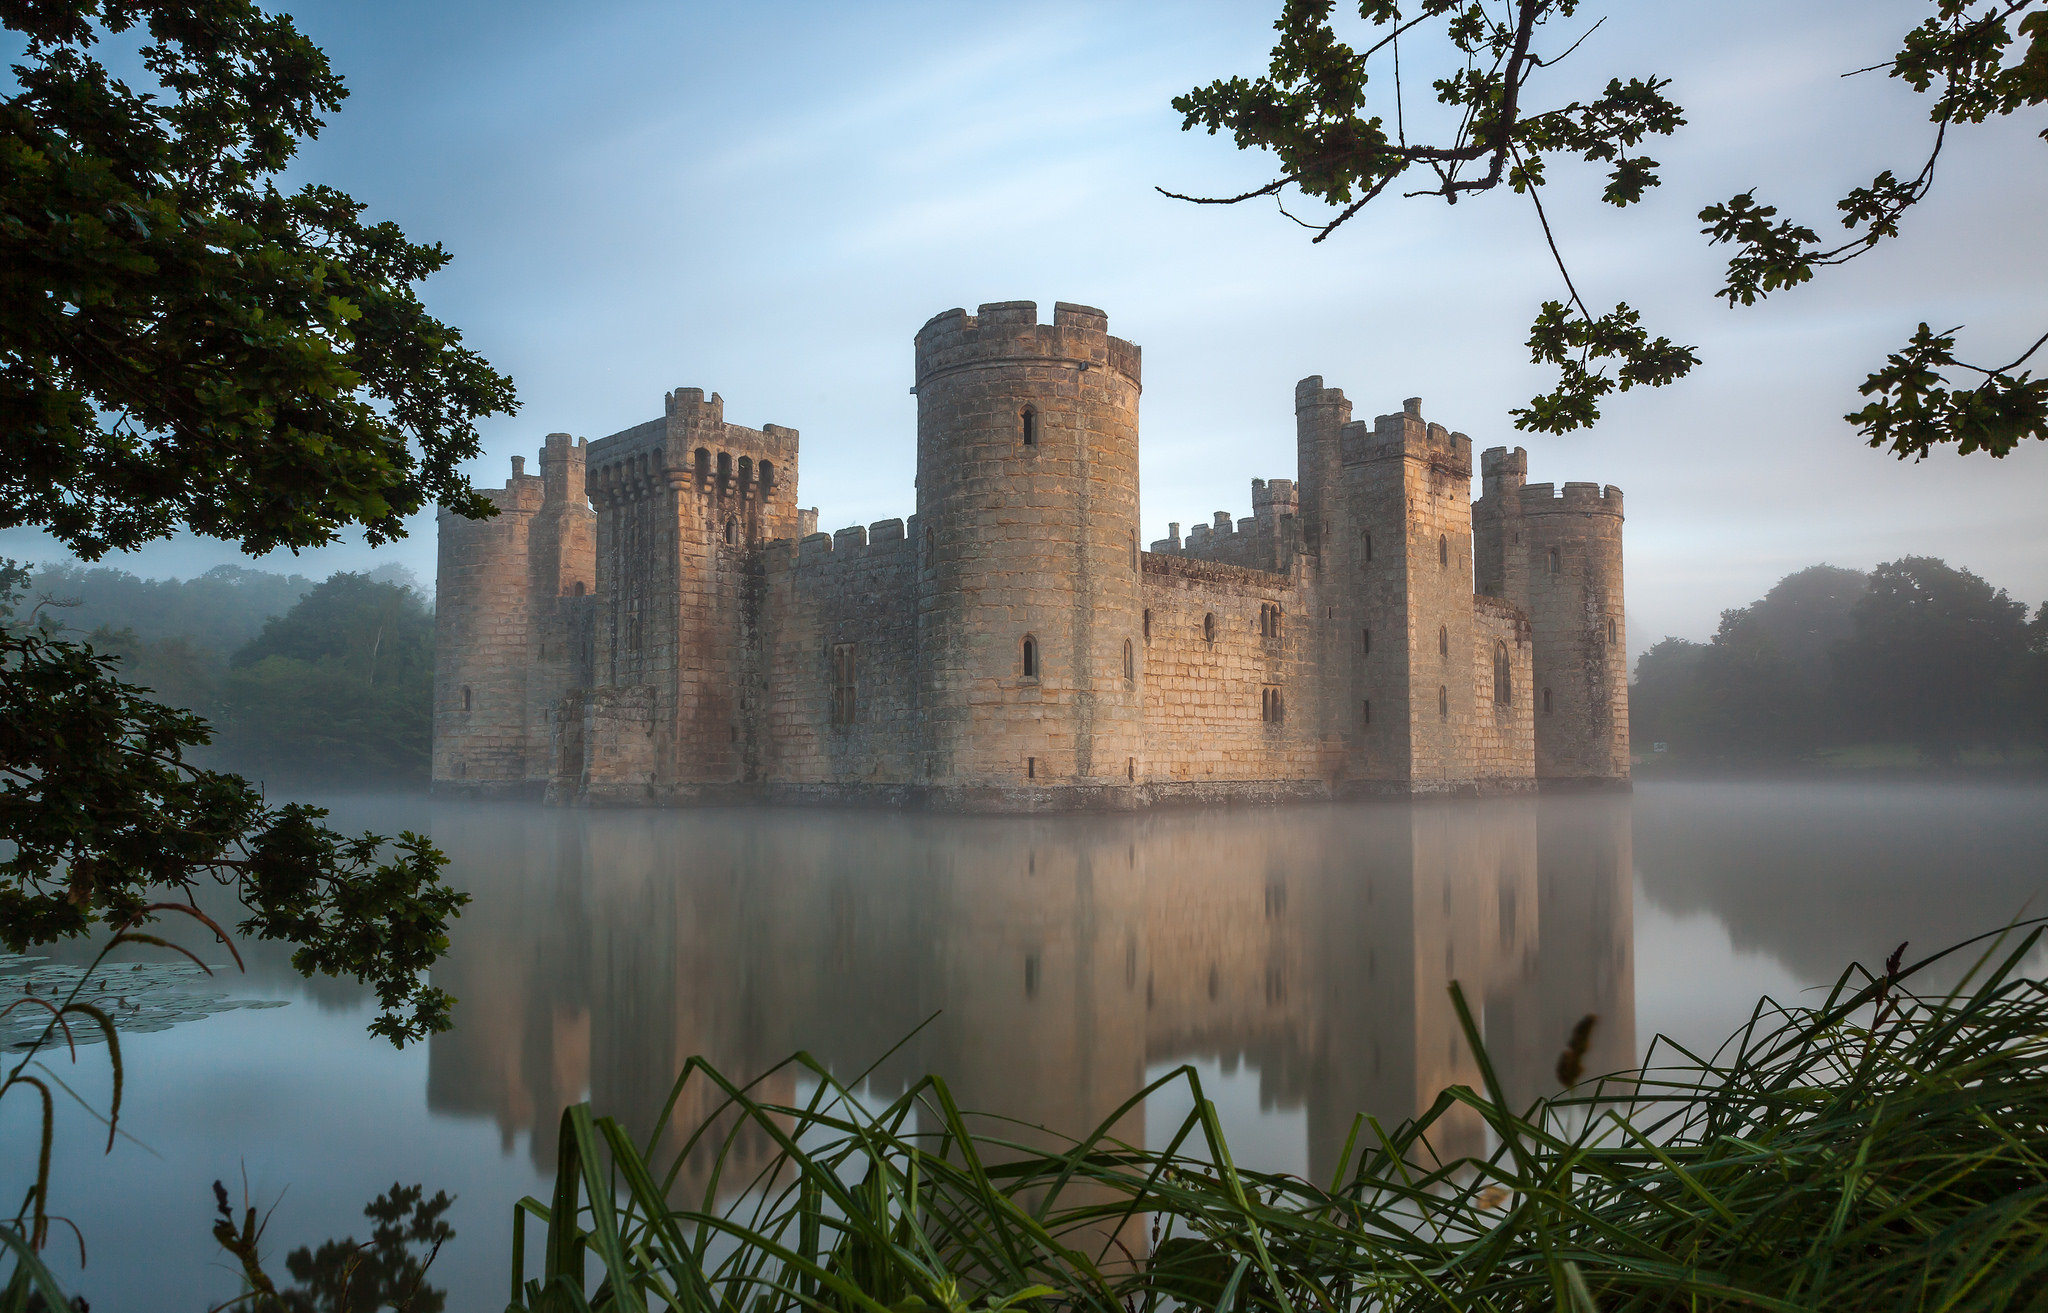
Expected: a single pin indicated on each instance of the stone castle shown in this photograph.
(653, 619)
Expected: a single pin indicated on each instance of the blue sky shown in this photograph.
(768, 200)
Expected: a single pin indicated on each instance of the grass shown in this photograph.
(1882, 1150)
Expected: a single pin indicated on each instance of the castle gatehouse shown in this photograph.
(652, 619)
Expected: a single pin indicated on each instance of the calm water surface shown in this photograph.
(1297, 958)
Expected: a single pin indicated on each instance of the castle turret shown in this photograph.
(1029, 647)
(1570, 549)
(1497, 558)
(482, 629)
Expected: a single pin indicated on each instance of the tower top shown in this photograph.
(1008, 334)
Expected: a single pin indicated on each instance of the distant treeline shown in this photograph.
(1916, 654)
(327, 683)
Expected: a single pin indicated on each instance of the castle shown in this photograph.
(653, 619)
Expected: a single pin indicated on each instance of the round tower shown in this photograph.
(1571, 556)
(1030, 657)
(482, 628)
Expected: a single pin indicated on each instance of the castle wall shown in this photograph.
(1572, 567)
(853, 595)
(1206, 697)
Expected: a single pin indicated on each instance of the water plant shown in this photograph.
(1883, 1149)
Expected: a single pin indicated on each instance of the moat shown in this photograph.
(1296, 956)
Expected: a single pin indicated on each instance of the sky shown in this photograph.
(767, 201)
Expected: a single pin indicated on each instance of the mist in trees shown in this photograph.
(1916, 654)
(303, 683)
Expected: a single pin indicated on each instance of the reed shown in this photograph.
(1882, 1150)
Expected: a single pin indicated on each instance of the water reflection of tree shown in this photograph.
(1052, 961)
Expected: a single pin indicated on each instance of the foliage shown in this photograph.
(1311, 111)
(342, 1276)
(1879, 1151)
(182, 343)
(1916, 653)
(1933, 656)
(219, 610)
(339, 688)
(99, 808)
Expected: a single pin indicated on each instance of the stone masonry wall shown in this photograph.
(1206, 696)
(857, 587)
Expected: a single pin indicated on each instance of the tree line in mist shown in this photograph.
(1916, 654)
(303, 682)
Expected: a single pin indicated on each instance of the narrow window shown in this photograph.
(767, 477)
(1131, 769)
(1502, 692)
(746, 473)
(724, 468)
(1443, 702)
(732, 531)
(1368, 545)
(1546, 701)
(1365, 642)
(1030, 658)
(1556, 563)
(1443, 550)
(1443, 640)
(465, 699)
(1031, 768)
(1030, 427)
(1209, 627)
(1610, 629)
(1148, 625)
(703, 463)
(579, 588)
(1130, 663)
(845, 688)
(1365, 712)
(1031, 975)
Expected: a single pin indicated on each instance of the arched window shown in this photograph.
(1209, 627)
(1610, 629)
(1443, 702)
(1443, 550)
(732, 530)
(1443, 640)
(1502, 674)
(1148, 625)
(465, 699)
(579, 588)
(1546, 701)
(746, 472)
(1269, 620)
(1556, 561)
(703, 462)
(1030, 657)
(1029, 420)
(1130, 663)
(767, 476)
(724, 468)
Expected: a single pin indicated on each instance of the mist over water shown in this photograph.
(1298, 957)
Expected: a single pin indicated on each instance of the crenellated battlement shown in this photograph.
(1406, 435)
(1576, 498)
(843, 548)
(1008, 333)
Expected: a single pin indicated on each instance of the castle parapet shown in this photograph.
(1406, 435)
(1577, 498)
(1008, 333)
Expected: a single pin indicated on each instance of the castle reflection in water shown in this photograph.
(1063, 957)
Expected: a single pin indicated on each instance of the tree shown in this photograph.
(1311, 111)
(338, 688)
(185, 346)
(1932, 657)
